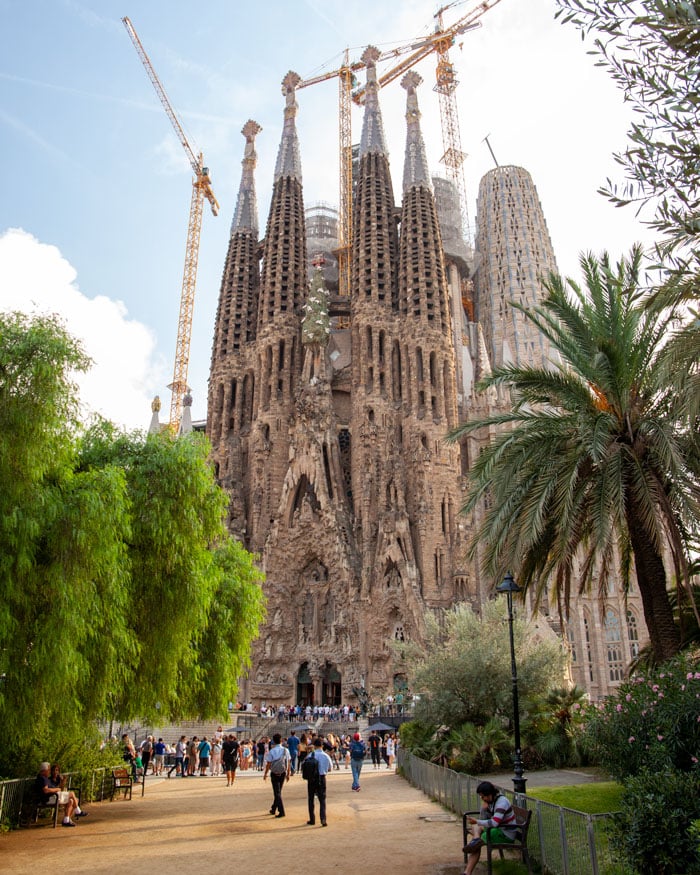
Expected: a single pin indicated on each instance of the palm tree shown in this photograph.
(593, 465)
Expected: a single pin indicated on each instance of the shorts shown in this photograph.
(496, 836)
(63, 797)
(204, 762)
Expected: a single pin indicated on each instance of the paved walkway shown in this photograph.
(201, 826)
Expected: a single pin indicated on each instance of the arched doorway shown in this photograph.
(305, 686)
(332, 686)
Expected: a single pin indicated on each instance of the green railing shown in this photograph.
(563, 841)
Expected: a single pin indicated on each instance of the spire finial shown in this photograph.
(372, 128)
(288, 158)
(246, 215)
(415, 169)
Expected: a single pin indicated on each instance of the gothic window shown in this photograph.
(633, 634)
(419, 365)
(613, 642)
(589, 656)
(399, 633)
(344, 442)
(571, 638)
(327, 469)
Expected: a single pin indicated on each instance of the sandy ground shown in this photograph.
(199, 825)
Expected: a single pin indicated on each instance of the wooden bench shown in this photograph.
(523, 817)
(122, 782)
(31, 808)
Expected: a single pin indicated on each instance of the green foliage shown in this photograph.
(478, 749)
(652, 723)
(418, 738)
(316, 323)
(463, 674)
(554, 727)
(653, 831)
(598, 797)
(651, 49)
(593, 461)
(121, 593)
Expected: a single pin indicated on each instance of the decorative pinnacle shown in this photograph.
(246, 214)
(250, 130)
(288, 159)
(372, 139)
(415, 169)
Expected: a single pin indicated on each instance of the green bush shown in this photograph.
(653, 831)
(651, 723)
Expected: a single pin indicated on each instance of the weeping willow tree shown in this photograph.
(121, 592)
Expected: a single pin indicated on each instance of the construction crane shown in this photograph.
(441, 41)
(201, 188)
(346, 82)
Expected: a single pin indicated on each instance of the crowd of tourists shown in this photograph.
(224, 754)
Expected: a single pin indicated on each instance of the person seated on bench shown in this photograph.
(497, 823)
(45, 787)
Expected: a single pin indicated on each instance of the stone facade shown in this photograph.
(330, 439)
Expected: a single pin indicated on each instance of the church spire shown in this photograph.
(283, 280)
(423, 294)
(288, 160)
(246, 215)
(240, 283)
(372, 139)
(375, 238)
(415, 168)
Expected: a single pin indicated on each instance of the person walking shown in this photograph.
(317, 789)
(357, 757)
(278, 764)
(179, 766)
(229, 755)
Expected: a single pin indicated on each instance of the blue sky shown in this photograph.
(100, 187)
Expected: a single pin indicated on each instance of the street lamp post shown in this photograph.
(509, 586)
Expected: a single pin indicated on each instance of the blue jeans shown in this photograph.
(356, 766)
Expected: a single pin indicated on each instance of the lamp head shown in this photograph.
(508, 585)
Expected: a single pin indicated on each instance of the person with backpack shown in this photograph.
(357, 757)
(278, 763)
(314, 770)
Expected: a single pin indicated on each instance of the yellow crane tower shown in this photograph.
(346, 81)
(201, 188)
(440, 42)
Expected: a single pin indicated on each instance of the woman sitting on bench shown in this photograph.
(49, 783)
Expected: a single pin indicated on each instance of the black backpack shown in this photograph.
(309, 769)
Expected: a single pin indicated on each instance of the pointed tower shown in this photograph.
(375, 243)
(515, 253)
(278, 354)
(231, 378)
(427, 365)
(377, 477)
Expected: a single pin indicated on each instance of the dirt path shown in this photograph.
(201, 826)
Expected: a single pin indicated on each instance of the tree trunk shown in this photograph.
(664, 634)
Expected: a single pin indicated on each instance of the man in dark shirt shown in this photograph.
(229, 758)
(43, 791)
(375, 743)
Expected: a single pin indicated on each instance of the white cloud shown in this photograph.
(36, 278)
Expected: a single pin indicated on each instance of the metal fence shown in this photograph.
(94, 787)
(563, 841)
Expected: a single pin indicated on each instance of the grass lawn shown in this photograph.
(599, 797)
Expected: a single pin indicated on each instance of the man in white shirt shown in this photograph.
(278, 763)
(318, 788)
